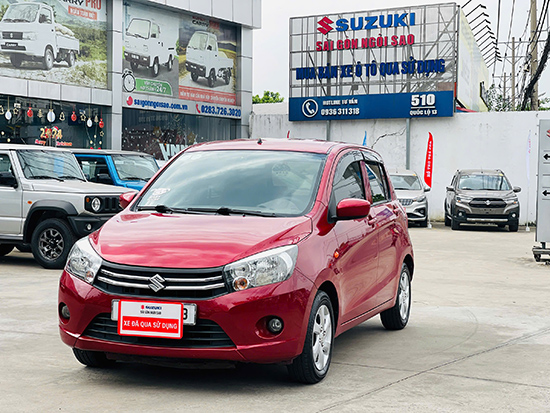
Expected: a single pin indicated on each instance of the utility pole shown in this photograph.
(513, 73)
(534, 56)
(504, 105)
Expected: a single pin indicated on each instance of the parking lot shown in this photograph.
(478, 340)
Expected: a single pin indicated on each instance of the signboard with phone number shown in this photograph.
(396, 105)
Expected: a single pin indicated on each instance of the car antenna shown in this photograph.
(260, 141)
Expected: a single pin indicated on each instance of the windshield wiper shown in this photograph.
(134, 178)
(71, 177)
(163, 209)
(228, 211)
(46, 177)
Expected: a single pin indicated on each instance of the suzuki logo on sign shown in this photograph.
(156, 283)
(325, 23)
(368, 22)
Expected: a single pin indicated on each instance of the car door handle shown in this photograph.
(371, 221)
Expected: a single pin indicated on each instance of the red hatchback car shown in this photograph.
(248, 251)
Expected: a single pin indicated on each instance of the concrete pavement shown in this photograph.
(478, 341)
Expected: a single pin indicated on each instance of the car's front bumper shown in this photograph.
(137, 58)
(464, 213)
(416, 211)
(239, 315)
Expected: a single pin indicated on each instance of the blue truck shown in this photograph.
(121, 168)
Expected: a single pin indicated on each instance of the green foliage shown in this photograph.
(495, 102)
(93, 42)
(3, 11)
(268, 97)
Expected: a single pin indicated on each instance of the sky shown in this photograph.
(270, 58)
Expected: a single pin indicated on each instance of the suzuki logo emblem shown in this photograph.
(487, 202)
(325, 23)
(11, 35)
(156, 283)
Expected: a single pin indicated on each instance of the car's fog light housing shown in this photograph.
(64, 311)
(514, 215)
(275, 325)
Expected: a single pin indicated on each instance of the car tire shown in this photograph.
(155, 68)
(134, 66)
(5, 249)
(454, 223)
(312, 365)
(194, 76)
(47, 61)
(227, 76)
(397, 317)
(211, 79)
(71, 59)
(51, 242)
(95, 359)
(16, 60)
(424, 224)
(513, 227)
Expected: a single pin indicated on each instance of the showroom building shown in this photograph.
(152, 76)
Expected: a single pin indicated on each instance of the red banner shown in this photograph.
(428, 167)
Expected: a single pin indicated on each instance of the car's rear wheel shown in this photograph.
(397, 317)
(92, 358)
(312, 365)
(5, 249)
(51, 242)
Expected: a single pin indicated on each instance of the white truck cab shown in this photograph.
(144, 45)
(29, 32)
(204, 59)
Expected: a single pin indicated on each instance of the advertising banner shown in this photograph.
(56, 41)
(390, 62)
(429, 164)
(179, 55)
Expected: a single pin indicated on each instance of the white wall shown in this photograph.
(467, 140)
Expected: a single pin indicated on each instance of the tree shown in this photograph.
(496, 103)
(268, 97)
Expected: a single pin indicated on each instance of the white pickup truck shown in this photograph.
(29, 32)
(144, 45)
(204, 59)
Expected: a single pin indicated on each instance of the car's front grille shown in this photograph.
(12, 35)
(406, 202)
(487, 203)
(163, 283)
(205, 334)
(112, 204)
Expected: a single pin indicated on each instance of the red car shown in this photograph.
(248, 251)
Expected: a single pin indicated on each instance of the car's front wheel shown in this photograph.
(513, 227)
(312, 365)
(92, 358)
(51, 242)
(397, 317)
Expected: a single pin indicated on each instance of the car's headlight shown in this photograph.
(29, 36)
(511, 200)
(267, 267)
(463, 198)
(421, 198)
(83, 261)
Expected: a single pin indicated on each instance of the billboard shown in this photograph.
(179, 56)
(55, 41)
(392, 63)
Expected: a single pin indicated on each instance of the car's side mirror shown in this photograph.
(104, 179)
(427, 189)
(351, 208)
(450, 189)
(7, 179)
(126, 198)
(517, 189)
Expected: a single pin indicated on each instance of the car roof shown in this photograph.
(402, 172)
(280, 144)
(480, 171)
(106, 152)
(17, 146)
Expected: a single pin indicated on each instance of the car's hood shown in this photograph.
(408, 193)
(75, 186)
(192, 241)
(484, 193)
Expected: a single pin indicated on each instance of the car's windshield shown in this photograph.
(274, 183)
(484, 182)
(139, 28)
(135, 167)
(41, 164)
(406, 182)
(198, 41)
(24, 13)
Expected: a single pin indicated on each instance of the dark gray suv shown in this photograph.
(478, 196)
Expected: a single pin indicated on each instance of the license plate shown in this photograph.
(8, 44)
(152, 319)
